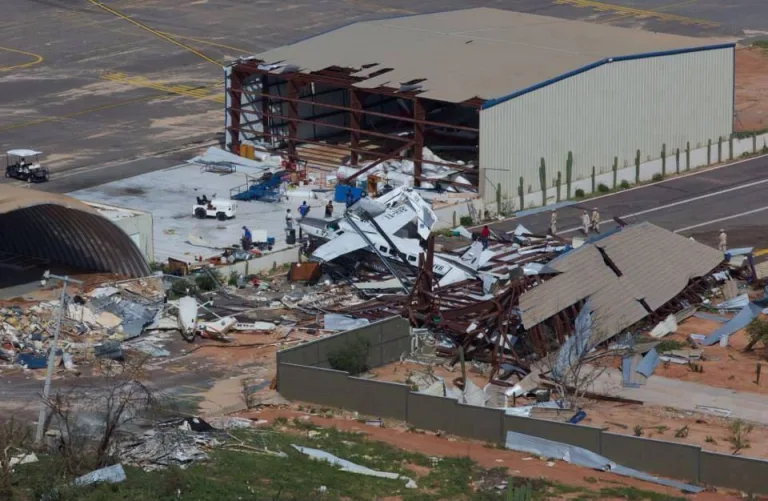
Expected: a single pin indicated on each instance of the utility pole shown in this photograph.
(52, 349)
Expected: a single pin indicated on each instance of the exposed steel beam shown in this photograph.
(365, 169)
(334, 126)
(355, 120)
(235, 86)
(418, 139)
(275, 97)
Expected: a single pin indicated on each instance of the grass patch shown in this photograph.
(233, 475)
(669, 345)
(763, 44)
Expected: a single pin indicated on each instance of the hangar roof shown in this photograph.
(617, 273)
(483, 52)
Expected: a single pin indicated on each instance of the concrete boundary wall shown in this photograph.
(654, 456)
(303, 375)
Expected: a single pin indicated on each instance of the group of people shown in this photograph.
(589, 223)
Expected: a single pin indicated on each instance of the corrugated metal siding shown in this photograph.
(656, 265)
(612, 110)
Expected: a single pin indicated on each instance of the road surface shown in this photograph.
(666, 392)
(733, 197)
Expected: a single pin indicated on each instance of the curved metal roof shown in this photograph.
(65, 231)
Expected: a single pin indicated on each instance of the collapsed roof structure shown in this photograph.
(527, 292)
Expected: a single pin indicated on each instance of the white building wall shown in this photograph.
(609, 111)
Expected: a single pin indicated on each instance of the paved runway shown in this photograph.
(733, 197)
(90, 88)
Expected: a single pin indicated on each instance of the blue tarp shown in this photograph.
(744, 317)
(648, 364)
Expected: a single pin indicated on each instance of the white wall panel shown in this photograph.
(611, 110)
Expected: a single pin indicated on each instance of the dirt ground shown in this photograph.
(709, 432)
(751, 89)
(724, 367)
(517, 464)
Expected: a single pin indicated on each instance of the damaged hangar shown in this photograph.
(497, 90)
(623, 280)
(53, 229)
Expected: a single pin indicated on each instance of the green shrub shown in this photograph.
(669, 345)
(579, 193)
(352, 357)
(624, 184)
(657, 177)
(465, 221)
(209, 280)
(603, 188)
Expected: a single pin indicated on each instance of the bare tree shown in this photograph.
(91, 417)
(15, 439)
(575, 368)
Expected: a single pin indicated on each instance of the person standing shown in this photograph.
(288, 221)
(595, 220)
(303, 209)
(553, 223)
(247, 239)
(585, 222)
(485, 234)
(723, 244)
(329, 209)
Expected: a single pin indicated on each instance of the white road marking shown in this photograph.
(726, 218)
(683, 202)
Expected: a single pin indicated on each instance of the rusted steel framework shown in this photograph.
(489, 329)
(392, 145)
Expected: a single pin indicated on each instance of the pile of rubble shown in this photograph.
(93, 324)
(511, 299)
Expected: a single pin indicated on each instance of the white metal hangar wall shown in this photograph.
(611, 108)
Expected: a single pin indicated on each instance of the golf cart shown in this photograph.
(220, 209)
(19, 166)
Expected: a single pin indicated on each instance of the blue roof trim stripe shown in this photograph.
(493, 102)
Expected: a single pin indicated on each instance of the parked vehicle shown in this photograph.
(220, 209)
(25, 166)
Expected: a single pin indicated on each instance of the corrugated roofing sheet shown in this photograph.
(655, 264)
(482, 52)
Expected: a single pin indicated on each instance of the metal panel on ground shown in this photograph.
(653, 456)
(572, 434)
(745, 474)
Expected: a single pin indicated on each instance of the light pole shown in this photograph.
(52, 349)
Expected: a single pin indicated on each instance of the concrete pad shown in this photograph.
(169, 196)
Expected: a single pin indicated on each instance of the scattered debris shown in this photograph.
(111, 474)
(351, 467)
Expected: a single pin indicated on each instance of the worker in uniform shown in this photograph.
(553, 223)
(329, 209)
(303, 209)
(723, 244)
(585, 222)
(247, 239)
(485, 233)
(595, 221)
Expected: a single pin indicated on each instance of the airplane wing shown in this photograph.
(343, 244)
(395, 218)
(424, 213)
